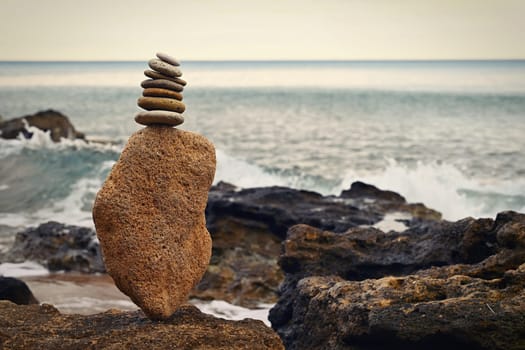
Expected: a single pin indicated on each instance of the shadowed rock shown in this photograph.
(248, 225)
(442, 285)
(17, 291)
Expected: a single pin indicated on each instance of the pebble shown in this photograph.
(162, 83)
(168, 59)
(156, 75)
(164, 68)
(159, 117)
(156, 92)
(165, 104)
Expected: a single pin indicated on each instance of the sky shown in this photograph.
(262, 30)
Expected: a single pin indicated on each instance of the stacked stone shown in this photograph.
(162, 94)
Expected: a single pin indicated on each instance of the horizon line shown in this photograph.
(279, 60)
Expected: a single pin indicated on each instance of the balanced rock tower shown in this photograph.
(149, 214)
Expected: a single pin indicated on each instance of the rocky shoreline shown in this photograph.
(338, 276)
(338, 281)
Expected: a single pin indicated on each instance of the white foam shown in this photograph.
(223, 309)
(42, 140)
(391, 222)
(244, 174)
(27, 268)
(3, 187)
(439, 186)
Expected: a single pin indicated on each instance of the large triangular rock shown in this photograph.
(149, 217)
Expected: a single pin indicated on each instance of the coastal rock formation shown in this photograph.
(149, 217)
(162, 93)
(58, 247)
(248, 225)
(55, 122)
(455, 285)
(43, 327)
(16, 291)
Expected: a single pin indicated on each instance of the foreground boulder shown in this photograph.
(17, 291)
(58, 247)
(43, 327)
(444, 285)
(149, 217)
(55, 122)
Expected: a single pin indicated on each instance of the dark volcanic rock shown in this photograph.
(248, 225)
(43, 327)
(444, 285)
(55, 122)
(17, 291)
(247, 228)
(59, 247)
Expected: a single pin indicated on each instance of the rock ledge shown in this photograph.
(43, 327)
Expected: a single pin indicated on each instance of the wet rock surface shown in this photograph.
(442, 285)
(43, 327)
(57, 124)
(58, 247)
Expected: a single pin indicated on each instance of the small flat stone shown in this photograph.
(159, 117)
(168, 59)
(162, 83)
(156, 75)
(164, 68)
(165, 104)
(156, 92)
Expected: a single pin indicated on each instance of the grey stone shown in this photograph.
(156, 75)
(162, 83)
(164, 68)
(168, 59)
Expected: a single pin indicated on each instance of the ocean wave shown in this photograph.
(41, 140)
(445, 188)
(43, 181)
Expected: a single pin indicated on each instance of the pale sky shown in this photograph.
(279, 29)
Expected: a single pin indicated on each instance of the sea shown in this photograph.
(449, 134)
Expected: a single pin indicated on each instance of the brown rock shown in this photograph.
(162, 83)
(156, 92)
(149, 217)
(165, 104)
(159, 117)
(43, 327)
(156, 75)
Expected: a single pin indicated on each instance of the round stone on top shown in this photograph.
(168, 59)
(164, 68)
